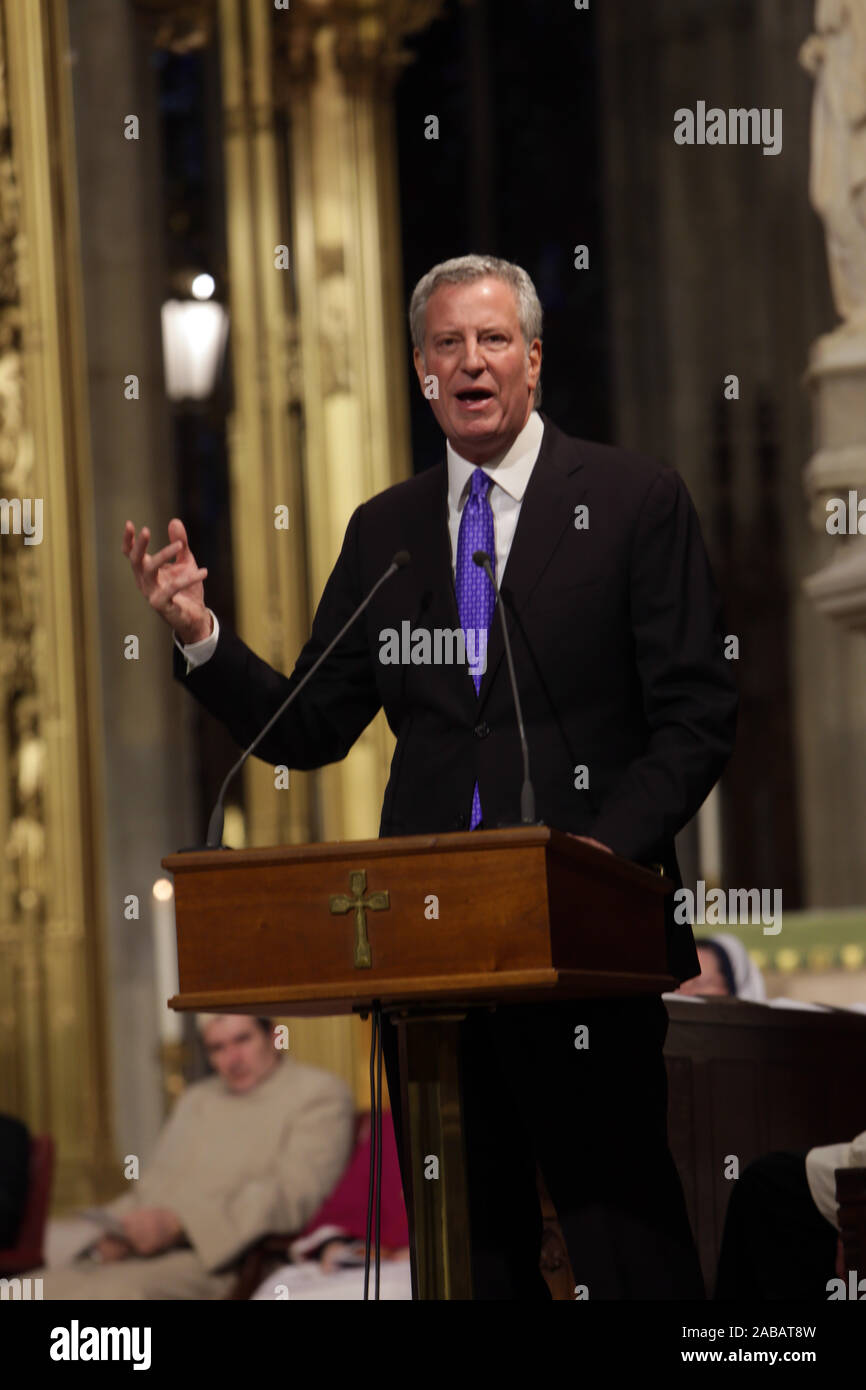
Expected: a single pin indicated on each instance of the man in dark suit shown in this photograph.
(629, 707)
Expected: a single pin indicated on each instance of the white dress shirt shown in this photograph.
(510, 474)
(821, 1165)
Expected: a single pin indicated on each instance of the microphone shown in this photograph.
(215, 824)
(527, 793)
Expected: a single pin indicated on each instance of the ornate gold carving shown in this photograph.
(369, 38)
(51, 1018)
(370, 49)
(24, 835)
(180, 26)
(25, 846)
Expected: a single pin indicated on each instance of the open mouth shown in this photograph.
(474, 398)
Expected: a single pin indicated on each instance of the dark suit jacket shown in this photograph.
(617, 646)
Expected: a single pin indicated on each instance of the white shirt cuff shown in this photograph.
(197, 653)
(821, 1165)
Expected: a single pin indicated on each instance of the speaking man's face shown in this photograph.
(486, 374)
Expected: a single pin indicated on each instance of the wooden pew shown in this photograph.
(747, 1080)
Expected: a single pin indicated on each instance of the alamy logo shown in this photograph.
(739, 905)
(736, 126)
(855, 1289)
(76, 1343)
(22, 516)
(443, 646)
(846, 518)
(20, 1290)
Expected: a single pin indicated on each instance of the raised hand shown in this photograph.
(170, 580)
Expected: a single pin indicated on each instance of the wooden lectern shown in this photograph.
(429, 926)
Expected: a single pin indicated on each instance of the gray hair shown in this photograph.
(461, 269)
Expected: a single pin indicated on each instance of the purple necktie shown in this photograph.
(476, 597)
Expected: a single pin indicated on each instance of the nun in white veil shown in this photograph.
(726, 969)
(748, 980)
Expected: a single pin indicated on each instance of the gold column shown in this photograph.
(335, 208)
(266, 459)
(270, 564)
(54, 1070)
(338, 64)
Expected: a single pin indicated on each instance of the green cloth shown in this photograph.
(822, 939)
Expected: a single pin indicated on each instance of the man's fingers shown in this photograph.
(138, 561)
(166, 574)
(139, 546)
(163, 596)
(130, 540)
(163, 556)
(177, 532)
(174, 586)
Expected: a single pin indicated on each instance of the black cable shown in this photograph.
(379, 1151)
(370, 1189)
(374, 1187)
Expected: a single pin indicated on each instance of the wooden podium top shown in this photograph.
(471, 917)
(459, 841)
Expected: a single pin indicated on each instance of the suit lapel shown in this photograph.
(429, 544)
(546, 513)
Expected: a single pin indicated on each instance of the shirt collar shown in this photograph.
(512, 471)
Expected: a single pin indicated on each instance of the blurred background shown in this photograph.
(212, 213)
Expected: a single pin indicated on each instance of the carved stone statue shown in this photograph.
(335, 365)
(25, 847)
(836, 56)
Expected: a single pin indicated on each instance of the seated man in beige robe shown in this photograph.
(253, 1149)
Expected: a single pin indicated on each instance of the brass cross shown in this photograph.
(377, 902)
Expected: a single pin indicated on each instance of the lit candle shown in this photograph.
(165, 960)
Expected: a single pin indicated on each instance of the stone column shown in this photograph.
(836, 55)
(835, 477)
(715, 266)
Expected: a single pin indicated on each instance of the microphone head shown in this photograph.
(401, 559)
(481, 558)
